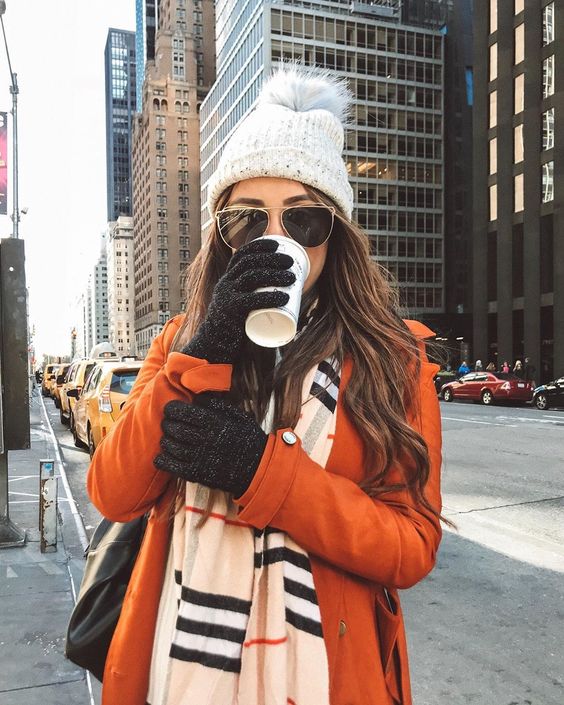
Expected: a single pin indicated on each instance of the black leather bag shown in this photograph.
(110, 558)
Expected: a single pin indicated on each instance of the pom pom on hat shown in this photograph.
(296, 131)
(302, 89)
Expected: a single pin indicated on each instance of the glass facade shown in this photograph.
(547, 181)
(548, 76)
(519, 43)
(145, 27)
(120, 70)
(393, 149)
(548, 24)
(548, 129)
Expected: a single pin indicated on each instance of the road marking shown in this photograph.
(487, 423)
(50, 568)
(11, 573)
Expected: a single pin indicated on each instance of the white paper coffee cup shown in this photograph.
(273, 327)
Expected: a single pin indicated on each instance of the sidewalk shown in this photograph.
(36, 590)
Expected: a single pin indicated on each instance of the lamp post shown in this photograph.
(14, 90)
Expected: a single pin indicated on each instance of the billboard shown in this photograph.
(3, 163)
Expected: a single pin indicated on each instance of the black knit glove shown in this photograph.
(214, 443)
(219, 338)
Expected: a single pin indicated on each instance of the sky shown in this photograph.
(57, 50)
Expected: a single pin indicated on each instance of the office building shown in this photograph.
(166, 163)
(145, 30)
(121, 289)
(119, 59)
(98, 284)
(394, 149)
(518, 253)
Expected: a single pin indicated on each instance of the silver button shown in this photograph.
(289, 438)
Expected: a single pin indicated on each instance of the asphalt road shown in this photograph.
(485, 628)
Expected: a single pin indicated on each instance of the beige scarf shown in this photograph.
(247, 626)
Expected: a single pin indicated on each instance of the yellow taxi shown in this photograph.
(76, 377)
(48, 375)
(99, 405)
(58, 383)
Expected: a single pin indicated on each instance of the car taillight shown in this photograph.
(104, 403)
(506, 385)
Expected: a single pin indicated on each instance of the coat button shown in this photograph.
(289, 438)
(342, 628)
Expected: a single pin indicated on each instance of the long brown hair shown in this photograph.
(356, 315)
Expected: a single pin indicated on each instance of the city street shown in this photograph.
(485, 627)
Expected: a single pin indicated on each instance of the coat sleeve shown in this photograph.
(391, 540)
(122, 480)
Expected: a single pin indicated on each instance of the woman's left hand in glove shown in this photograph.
(211, 442)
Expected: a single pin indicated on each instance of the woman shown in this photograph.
(291, 492)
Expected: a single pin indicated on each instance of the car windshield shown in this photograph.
(123, 380)
(504, 375)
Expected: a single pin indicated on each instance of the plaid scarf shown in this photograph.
(248, 628)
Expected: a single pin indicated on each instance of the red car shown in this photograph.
(489, 388)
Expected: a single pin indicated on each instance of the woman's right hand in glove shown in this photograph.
(220, 336)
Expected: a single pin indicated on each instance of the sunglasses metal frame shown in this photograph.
(282, 210)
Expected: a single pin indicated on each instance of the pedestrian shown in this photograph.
(478, 367)
(463, 369)
(490, 367)
(529, 371)
(291, 491)
(518, 369)
(505, 367)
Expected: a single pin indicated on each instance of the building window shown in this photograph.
(548, 76)
(493, 108)
(519, 95)
(493, 202)
(493, 155)
(493, 16)
(518, 193)
(519, 6)
(548, 24)
(493, 62)
(548, 129)
(519, 43)
(547, 181)
(518, 151)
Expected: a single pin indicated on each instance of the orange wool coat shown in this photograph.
(357, 545)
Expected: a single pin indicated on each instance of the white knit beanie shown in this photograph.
(295, 132)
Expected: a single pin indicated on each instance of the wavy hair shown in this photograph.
(355, 314)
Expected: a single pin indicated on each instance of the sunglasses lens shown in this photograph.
(310, 226)
(240, 225)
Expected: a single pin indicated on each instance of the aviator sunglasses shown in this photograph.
(310, 226)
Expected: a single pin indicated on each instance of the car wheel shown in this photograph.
(487, 397)
(541, 401)
(63, 418)
(91, 447)
(448, 395)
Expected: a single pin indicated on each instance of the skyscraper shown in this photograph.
(166, 163)
(394, 148)
(119, 58)
(121, 290)
(145, 29)
(518, 254)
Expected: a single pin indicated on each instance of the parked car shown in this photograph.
(549, 394)
(99, 405)
(58, 383)
(489, 388)
(76, 376)
(48, 375)
(442, 377)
